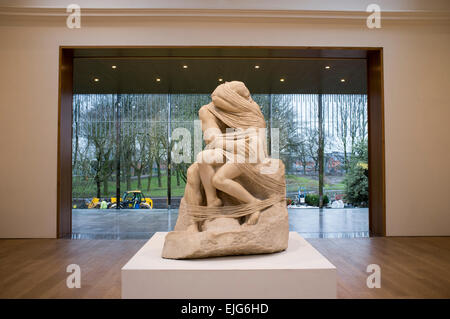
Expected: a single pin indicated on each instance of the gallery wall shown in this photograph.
(416, 85)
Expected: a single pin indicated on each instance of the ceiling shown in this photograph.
(198, 71)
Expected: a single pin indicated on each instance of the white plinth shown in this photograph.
(298, 272)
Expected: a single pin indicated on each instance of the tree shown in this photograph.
(343, 126)
(76, 131)
(363, 119)
(321, 149)
(312, 146)
(159, 149)
(139, 157)
(284, 118)
(129, 120)
(98, 135)
(127, 147)
(302, 153)
(102, 165)
(150, 158)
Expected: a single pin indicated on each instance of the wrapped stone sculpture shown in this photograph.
(235, 200)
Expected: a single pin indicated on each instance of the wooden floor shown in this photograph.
(411, 267)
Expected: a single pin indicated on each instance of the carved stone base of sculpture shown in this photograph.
(225, 236)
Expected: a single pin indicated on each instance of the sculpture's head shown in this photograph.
(234, 106)
(236, 86)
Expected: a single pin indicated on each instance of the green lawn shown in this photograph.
(293, 182)
(82, 188)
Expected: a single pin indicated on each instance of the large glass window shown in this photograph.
(127, 181)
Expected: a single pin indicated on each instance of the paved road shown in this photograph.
(124, 224)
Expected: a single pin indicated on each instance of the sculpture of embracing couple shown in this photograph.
(234, 201)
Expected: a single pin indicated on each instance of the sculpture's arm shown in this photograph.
(210, 127)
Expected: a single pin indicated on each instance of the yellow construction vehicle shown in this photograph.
(94, 203)
(131, 199)
(134, 199)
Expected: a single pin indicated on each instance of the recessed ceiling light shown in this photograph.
(282, 80)
(95, 79)
(256, 66)
(158, 80)
(220, 80)
(185, 66)
(342, 80)
(114, 67)
(327, 67)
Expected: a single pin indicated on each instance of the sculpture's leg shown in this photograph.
(252, 219)
(192, 193)
(223, 180)
(206, 159)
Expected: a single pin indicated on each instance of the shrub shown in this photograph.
(357, 184)
(356, 180)
(313, 199)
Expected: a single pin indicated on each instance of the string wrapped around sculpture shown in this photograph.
(245, 146)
